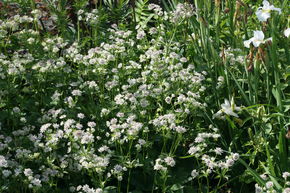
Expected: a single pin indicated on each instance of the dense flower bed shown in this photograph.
(106, 97)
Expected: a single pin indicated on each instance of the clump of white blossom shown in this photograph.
(182, 11)
(270, 186)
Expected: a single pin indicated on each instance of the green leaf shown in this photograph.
(240, 88)
(2, 105)
(176, 187)
(253, 173)
(283, 154)
(273, 179)
(269, 160)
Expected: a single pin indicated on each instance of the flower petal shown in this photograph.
(247, 43)
(262, 16)
(268, 39)
(287, 32)
(277, 9)
(259, 35)
(227, 103)
(238, 108)
(232, 113)
(257, 43)
(217, 115)
(266, 3)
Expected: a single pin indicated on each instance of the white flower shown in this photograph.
(194, 173)
(180, 129)
(264, 176)
(3, 162)
(256, 40)
(285, 175)
(28, 172)
(229, 163)
(76, 93)
(258, 189)
(287, 32)
(269, 185)
(87, 138)
(91, 124)
(218, 151)
(36, 182)
(44, 127)
(120, 178)
(6, 173)
(227, 108)
(236, 156)
(158, 165)
(140, 34)
(30, 40)
(170, 161)
(81, 115)
(193, 150)
(16, 110)
(118, 168)
(263, 13)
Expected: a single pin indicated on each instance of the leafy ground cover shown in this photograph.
(144, 96)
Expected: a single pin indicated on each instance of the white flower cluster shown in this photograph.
(87, 112)
(86, 189)
(269, 186)
(3, 162)
(156, 8)
(53, 44)
(16, 65)
(233, 56)
(91, 18)
(162, 164)
(123, 130)
(211, 159)
(182, 11)
(33, 180)
(13, 23)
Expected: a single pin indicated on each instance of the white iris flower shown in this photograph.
(227, 108)
(256, 40)
(264, 12)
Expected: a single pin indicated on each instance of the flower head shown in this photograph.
(269, 185)
(256, 40)
(263, 13)
(227, 108)
(194, 173)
